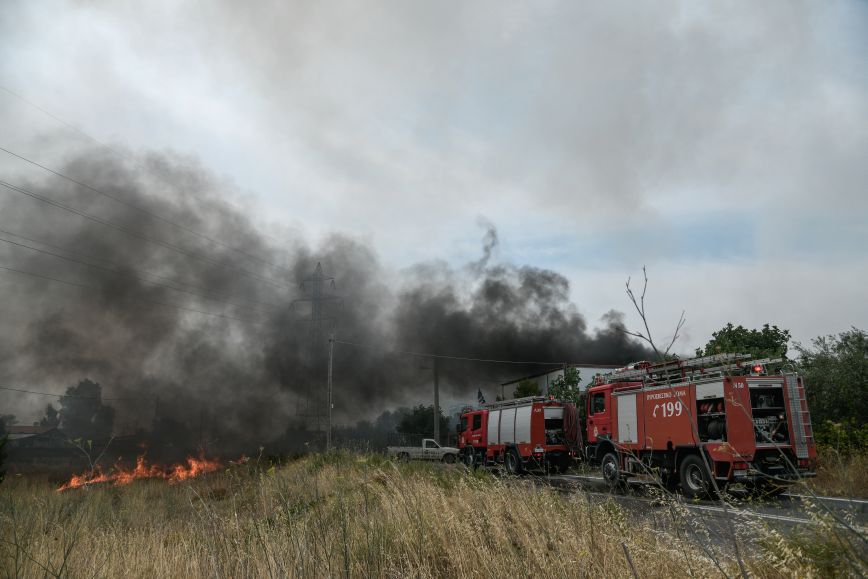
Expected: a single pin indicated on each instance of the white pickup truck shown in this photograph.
(429, 450)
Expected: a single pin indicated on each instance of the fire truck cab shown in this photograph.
(702, 424)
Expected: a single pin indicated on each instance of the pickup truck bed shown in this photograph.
(429, 450)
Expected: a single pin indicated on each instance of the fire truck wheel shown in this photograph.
(609, 466)
(513, 462)
(694, 477)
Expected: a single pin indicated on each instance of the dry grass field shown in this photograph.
(841, 475)
(363, 516)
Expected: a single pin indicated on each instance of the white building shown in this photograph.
(545, 379)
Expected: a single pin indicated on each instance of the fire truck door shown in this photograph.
(522, 423)
(627, 421)
(507, 425)
(494, 427)
(599, 417)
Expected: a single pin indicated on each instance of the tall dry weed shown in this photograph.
(342, 515)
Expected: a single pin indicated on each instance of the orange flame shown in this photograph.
(122, 476)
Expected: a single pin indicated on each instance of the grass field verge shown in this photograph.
(349, 515)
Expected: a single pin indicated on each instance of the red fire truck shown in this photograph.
(521, 434)
(726, 417)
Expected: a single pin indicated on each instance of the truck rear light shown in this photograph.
(804, 462)
(739, 465)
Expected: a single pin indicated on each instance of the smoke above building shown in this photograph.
(148, 282)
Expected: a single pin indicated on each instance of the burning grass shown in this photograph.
(359, 516)
(120, 475)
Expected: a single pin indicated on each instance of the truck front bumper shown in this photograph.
(753, 475)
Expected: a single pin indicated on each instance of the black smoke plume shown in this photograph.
(135, 319)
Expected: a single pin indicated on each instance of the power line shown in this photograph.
(120, 272)
(155, 302)
(122, 266)
(135, 234)
(467, 359)
(61, 121)
(87, 135)
(70, 395)
(142, 209)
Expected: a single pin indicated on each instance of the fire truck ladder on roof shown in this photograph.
(690, 370)
(804, 433)
(514, 402)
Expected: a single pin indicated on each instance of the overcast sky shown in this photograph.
(724, 145)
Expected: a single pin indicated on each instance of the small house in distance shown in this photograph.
(37, 446)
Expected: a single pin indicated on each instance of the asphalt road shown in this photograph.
(786, 512)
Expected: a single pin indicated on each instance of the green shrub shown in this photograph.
(845, 438)
(835, 373)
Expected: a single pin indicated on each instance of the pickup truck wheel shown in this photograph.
(404, 457)
(513, 462)
(609, 466)
(695, 480)
(448, 458)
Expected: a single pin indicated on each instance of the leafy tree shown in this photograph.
(770, 342)
(420, 421)
(6, 420)
(566, 387)
(835, 372)
(525, 388)
(51, 418)
(370, 435)
(388, 420)
(83, 415)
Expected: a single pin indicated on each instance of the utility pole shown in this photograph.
(331, 358)
(436, 402)
(318, 298)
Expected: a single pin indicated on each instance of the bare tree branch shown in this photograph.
(635, 334)
(639, 304)
(675, 335)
